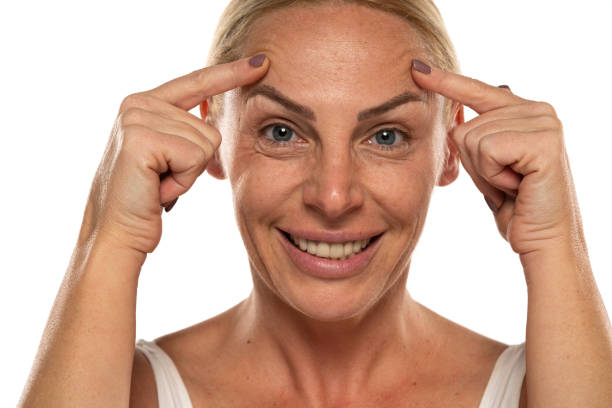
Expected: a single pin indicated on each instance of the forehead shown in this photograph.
(337, 50)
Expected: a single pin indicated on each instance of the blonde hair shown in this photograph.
(240, 15)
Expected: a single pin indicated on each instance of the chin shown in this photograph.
(332, 302)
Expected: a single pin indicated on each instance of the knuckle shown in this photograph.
(198, 76)
(200, 157)
(213, 137)
(479, 91)
(556, 142)
(133, 101)
(490, 147)
(208, 150)
(546, 109)
(551, 122)
(458, 133)
(132, 138)
(471, 139)
(131, 116)
(235, 74)
(549, 144)
(486, 146)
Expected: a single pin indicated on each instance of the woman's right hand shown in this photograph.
(154, 134)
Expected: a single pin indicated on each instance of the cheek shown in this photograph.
(265, 188)
(262, 185)
(402, 188)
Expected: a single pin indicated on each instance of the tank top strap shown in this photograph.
(504, 386)
(171, 390)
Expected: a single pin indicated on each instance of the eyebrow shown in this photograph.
(390, 105)
(277, 96)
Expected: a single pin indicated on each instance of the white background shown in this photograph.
(66, 66)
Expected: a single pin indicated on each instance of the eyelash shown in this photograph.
(404, 135)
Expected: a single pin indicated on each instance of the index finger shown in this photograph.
(189, 91)
(475, 94)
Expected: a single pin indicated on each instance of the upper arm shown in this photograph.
(143, 391)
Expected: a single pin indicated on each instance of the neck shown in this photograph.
(340, 358)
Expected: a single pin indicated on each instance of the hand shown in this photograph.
(515, 154)
(153, 135)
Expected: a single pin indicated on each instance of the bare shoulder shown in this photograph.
(464, 343)
(143, 391)
(201, 353)
(476, 352)
(195, 341)
(186, 348)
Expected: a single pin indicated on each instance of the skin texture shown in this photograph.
(304, 341)
(332, 175)
(88, 344)
(350, 340)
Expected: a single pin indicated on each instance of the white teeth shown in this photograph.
(322, 250)
(336, 251)
(348, 249)
(333, 250)
(303, 244)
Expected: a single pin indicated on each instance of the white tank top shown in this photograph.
(503, 389)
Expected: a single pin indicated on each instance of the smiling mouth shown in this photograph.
(330, 250)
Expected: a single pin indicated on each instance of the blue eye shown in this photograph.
(385, 136)
(279, 133)
(390, 139)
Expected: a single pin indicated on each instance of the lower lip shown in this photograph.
(329, 268)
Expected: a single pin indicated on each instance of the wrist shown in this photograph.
(562, 258)
(92, 235)
(101, 252)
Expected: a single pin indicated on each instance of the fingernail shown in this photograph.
(491, 204)
(421, 66)
(257, 60)
(505, 87)
(168, 206)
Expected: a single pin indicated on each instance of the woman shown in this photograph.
(335, 133)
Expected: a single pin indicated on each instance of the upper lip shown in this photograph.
(331, 236)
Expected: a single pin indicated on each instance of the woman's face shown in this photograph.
(335, 144)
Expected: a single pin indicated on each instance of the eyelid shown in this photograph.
(278, 114)
(276, 122)
(296, 140)
(406, 132)
(403, 146)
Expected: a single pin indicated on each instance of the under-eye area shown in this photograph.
(330, 250)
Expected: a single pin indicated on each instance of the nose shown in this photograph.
(333, 188)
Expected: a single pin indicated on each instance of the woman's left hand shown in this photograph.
(515, 153)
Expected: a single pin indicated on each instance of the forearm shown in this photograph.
(86, 352)
(569, 338)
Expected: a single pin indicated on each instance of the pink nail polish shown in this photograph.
(257, 61)
(421, 66)
(168, 206)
